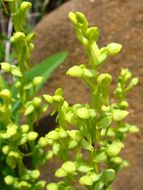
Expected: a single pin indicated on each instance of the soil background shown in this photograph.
(119, 21)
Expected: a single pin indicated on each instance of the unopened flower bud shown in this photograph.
(35, 174)
(88, 73)
(69, 167)
(53, 135)
(14, 154)
(15, 71)
(124, 104)
(83, 113)
(114, 48)
(104, 79)
(17, 37)
(31, 46)
(12, 159)
(25, 128)
(5, 149)
(49, 155)
(134, 81)
(82, 21)
(11, 131)
(5, 94)
(23, 185)
(48, 98)
(42, 142)
(5, 67)
(72, 17)
(105, 108)
(32, 136)
(114, 149)
(36, 102)
(37, 80)
(58, 98)
(75, 71)
(9, 180)
(119, 115)
(18, 84)
(133, 129)
(52, 186)
(126, 74)
(116, 160)
(92, 34)
(40, 184)
(62, 133)
(25, 6)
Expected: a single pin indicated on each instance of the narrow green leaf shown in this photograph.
(45, 68)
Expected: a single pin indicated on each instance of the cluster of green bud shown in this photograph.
(88, 37)
(56, 99)
(34, 108)
(12, 138)
(99, 126)
(24, 46)
(125, 84)
(28, 180)
(25, 6)
(5, 94)
(37, 80)
(18, 141)
(61, 139)
(12, 69)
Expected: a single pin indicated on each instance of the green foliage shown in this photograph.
(90, 150)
